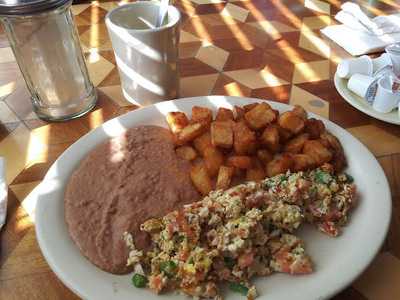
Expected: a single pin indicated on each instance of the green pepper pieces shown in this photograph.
(349, 178)
(238, 288)
(139, 280)
(229, 262)
(168, 267)
(322, 177)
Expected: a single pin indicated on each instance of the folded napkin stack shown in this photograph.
(360, 34)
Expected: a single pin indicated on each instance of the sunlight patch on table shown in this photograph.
(6, 114)
(99, 69)
(78, 8)
(272, 28)
(311, 71)
(233, 89)
(255, 79)
(197, 85)
(186, 37)
(21, 191)
(18, 148)
(317, 22)
(236, 12)
(7, 89)
(318, 6)
(213, 56)
(6, 55)
(310, 41)
(114, 92)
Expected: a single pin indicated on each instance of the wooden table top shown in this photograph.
(265, 49)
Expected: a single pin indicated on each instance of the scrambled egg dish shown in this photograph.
(248, 230)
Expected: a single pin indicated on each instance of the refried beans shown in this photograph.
(119, 185)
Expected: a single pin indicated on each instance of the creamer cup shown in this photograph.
(386, 99)
(394, 53)
(381, 62)
(359, 84)
(360, 65)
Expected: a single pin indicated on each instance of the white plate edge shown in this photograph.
(373, 253)
(355, 103)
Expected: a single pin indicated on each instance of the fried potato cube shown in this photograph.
(256, 172)
(280, 164)
(339, 161)
(238, 176)
(224, 114)
(324, 143)
(202, 142)
(201, 115)
(292, 122)
(296, 144)
(314, 128)
(221, 134)
(200, 178)
(260, 116)
(186, 152)
(284, 134)
(300, 111)
(270, 138)
(239, 161)
(332, 141)
(264, 155)
(257, 163)
(250, 106)
(190, 132)
(318, 152)
(239, 113)
(302, 162)
(213, 160)
(276, 112)
(177, 121)
(244, 139)
(224, 177)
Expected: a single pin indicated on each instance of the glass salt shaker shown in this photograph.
(47, 49)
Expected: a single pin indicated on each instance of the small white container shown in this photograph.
(385, 100)
(359, 84)
(360, 65)
(394, 53)
(381, 62)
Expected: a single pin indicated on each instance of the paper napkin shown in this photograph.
(360, 34)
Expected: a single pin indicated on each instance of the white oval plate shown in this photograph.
(362, 105)
(338, 261)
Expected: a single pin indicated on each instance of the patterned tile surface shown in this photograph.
(266, 49)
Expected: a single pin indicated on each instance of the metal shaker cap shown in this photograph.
(28, 7)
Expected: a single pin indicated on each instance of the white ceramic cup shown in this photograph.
(360, 65)
(359, 84)
(147, 57)
(385, 100)
(380, 62)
